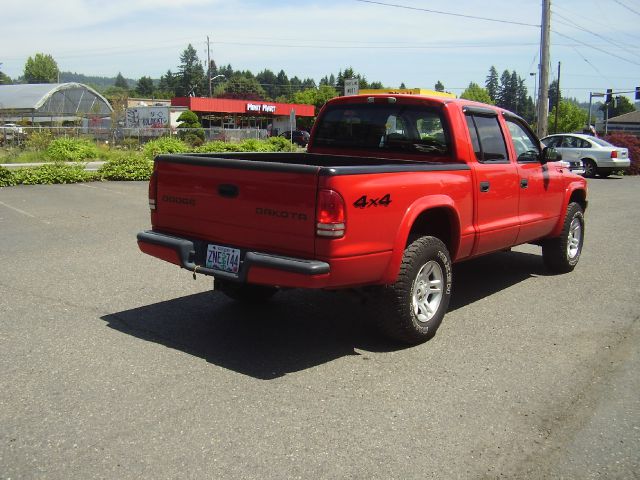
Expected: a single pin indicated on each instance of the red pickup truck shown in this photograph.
(391, 191)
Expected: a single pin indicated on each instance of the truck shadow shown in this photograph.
(298, 329)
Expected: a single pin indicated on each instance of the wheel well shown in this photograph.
(439, 223)
(580, 197)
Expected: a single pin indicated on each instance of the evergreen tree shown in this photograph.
(121, 82)
(439, 86)
(283, 86)
(267, 80)
(144, 88)
(4, 79)
(191, 78)
(403, 86)
(168, 83)
(491, 83)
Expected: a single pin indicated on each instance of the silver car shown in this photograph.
(597, 156)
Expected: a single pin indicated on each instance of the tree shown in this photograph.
(439, 86)
(190, 128)
(168, 84)
(241, 87)
(267, 80)
(403, 86)
(144, 88)
(4, 79)
(41, 69)
(191, 78)
(121, 82)
(491, 83)
(315, 96)
(570, 118)
(476, 93)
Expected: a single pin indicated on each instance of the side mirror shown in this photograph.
(550, 154)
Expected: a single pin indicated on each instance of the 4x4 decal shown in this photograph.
(367, 202)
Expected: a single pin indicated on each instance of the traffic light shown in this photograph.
(637, 93)
(609, 96)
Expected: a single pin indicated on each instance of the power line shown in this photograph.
(595, 48)
(627, 7)
(573, 24)
(439, 12)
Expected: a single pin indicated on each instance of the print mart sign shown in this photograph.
(260, 108)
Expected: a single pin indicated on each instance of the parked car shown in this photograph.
(597, 156)
(300, 137)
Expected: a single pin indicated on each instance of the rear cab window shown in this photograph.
(385, 128)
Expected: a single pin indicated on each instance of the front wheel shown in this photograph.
(412, 309)
(561, 254)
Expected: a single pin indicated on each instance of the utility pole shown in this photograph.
(543, 92)
(555, 124)
(209, 66)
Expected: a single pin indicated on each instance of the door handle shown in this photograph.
(484, 186)
(524, 183)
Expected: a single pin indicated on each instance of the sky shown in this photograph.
(415, 42)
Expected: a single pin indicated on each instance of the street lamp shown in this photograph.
(214, 78)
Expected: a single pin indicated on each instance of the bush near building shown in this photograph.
(632, 143)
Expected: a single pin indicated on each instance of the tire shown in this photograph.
(412, 309)
(590, 168)
(245, 292)
(561, 254)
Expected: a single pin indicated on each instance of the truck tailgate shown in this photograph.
(269, 208)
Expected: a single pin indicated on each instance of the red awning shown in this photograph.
(249, 107)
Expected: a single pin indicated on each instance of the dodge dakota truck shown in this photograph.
(392, 190)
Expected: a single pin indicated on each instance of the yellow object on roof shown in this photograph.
(406, 91)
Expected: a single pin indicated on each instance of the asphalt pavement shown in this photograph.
(116, 365)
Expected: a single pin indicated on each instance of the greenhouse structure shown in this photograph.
(52, 103)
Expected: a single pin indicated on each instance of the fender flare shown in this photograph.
(573, 187)
(415, 210)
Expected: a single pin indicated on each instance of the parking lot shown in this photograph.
(117, 365)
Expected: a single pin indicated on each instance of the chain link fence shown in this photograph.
(18, 136)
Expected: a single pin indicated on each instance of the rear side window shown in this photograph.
(384, 128)
(488, 141)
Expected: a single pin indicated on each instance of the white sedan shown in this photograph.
(597, 155)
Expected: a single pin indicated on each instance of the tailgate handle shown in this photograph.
(227, 190)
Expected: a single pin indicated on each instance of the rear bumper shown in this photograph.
(189, 254)
(615, 163)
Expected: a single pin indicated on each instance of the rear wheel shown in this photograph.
(412, 309)
(561, 254)
(590, 168)
(245, 292)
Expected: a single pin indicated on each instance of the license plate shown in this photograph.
(225, 259)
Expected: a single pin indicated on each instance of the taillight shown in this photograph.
(330, 214)
(614, 154)
(153, 190)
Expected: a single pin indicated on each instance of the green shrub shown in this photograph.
(52, 173)
(7, 178)
(164, 145)
(131, 143)
(192, 138)
(217, 146)
(127, 167)
(281, 144)
(71, 150)
(39, 140)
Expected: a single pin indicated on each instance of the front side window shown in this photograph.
(384, 128)
(489, 142)
(525, 145)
